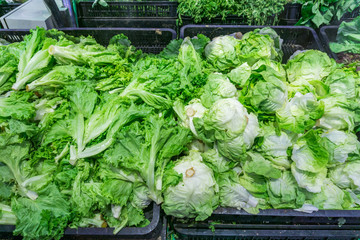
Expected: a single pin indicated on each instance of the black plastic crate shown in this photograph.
(230, 234)
(152, 231)
(5, 8)
(164, 231)
(149, 40)
(129, 9)
(272, 224)
(291, 14)
(154, 14)
(328, 34)
(295, 38)
(227, 223)
(128, 23)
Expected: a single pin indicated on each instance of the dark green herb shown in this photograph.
(255, 12)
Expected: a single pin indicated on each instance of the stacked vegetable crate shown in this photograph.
(149, 41)
(228, 223)
(162, 14)
(140, 14)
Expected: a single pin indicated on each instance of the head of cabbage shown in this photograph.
(221, 52)
(195, 195)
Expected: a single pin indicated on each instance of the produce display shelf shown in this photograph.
(150, 40)
(295, 38)
(158, 14)
(152, 231)
(272, 224)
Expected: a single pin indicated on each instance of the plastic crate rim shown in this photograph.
(14, 30)
(289, 213)
(326, 40)
(323, 33)
(182, 30)
(173, 32)
(313, 33)
(324, 28)
(207, 233)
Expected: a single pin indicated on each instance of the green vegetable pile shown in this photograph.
(315, 13)
(91, 135)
